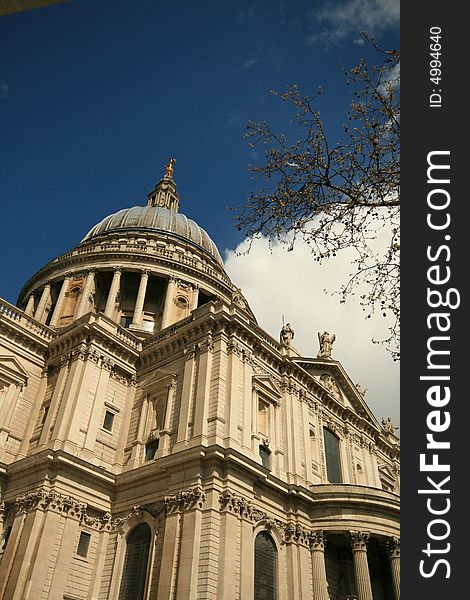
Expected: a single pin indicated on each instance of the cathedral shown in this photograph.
(156, 443)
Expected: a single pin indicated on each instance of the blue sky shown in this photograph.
(95, 97)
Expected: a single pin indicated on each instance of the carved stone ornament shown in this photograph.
(359, 540)
(237, 298)
(317, 540)
(290, 532)
(330, 383)
(393, 547)
(185, 500)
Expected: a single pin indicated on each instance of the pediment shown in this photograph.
(267, 386)
(334, 380)
(156, 380)
(12, 370)
(386, 471)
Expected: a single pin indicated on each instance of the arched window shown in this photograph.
(333, 463)
(134, 572)
(265, 584)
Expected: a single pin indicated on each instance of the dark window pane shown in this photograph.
(83, 544)
(265, 454)
(333, 464)
(150, 449)
(108, 420)
(134, 572)
(265, 583)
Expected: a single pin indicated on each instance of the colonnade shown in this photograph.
(40, 313)
(359, 542)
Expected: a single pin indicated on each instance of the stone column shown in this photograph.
(170, 293)
(30, 306)
(41, 309)
(320, 585)
(359, 540)
(83, 305)
(60, 300)
(113, 292)
(139, 303)
(393, 550)
(194, 297)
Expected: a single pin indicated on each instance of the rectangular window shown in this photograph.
(126, 321)
(150, 449)
(333, 464)
(83, 544)
(108, 421)
(265, 454)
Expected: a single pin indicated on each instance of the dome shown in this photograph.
(159, 219)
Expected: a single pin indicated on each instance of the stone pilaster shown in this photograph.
(393, 551)
(359, 541)
(113, 292)
(320, 586)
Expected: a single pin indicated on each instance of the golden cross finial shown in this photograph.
(169, 169)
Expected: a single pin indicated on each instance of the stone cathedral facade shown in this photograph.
(157, 444)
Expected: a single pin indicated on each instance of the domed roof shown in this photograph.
(156, 218)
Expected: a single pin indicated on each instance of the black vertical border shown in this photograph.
(426, 129)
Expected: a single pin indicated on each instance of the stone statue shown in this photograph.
(287, 335)
(326, 342)
(329, 382)
(169, 169)
(237, 298)
(388, 426)
(360, 389)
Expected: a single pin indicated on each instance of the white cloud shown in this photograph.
(344, 19)
(281, 283)
(250, 62)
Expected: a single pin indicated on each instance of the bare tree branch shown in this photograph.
(338, 195)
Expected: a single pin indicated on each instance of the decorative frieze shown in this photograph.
(243, 508)
(48, 500)
(42, 499)
(183, 501)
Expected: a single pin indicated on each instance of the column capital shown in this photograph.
(317, 540)
(118, 269)
(144, 272)
(393, 547)
(359, 540)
